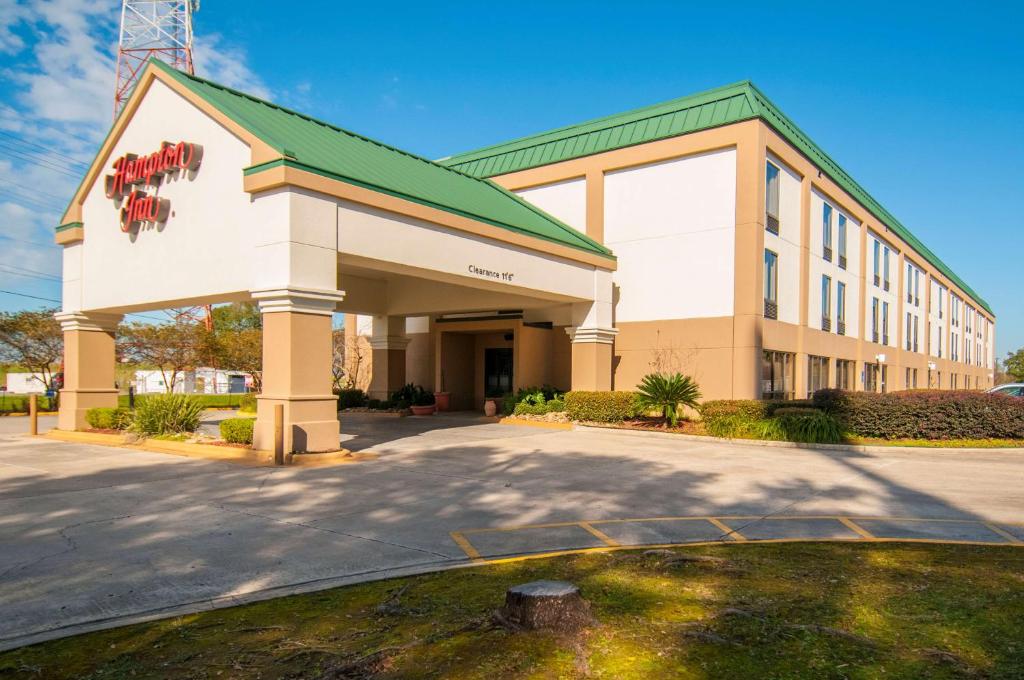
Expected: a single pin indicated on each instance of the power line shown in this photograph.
(3, 270)
(47, 149)
(34, 190)
(30, 271)
(23, 240)
(28, 201)
(43, 163)
(46, 299)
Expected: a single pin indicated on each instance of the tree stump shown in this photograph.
(552, 605)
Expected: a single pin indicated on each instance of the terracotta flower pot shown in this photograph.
(443, 400)
(423, 410)
(490, 408)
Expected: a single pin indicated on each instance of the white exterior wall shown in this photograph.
(891, 296)
(566, 200)
(673, 227)
(211, 219)
(787, 244)
(820, 267)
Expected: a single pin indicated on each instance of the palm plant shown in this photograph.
(667, 393)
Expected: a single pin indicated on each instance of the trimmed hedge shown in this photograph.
(237, 430)
(925, 414)
(352, 398)
(109, 418)
(18, 403)
(601, 407)
(745, 409)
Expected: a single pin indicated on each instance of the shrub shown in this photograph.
(247, 403)
(352, 398)
(535, 401)
(748, 409)
(167, 414)
(730, 426)
(423, 398)
(925, 414)
(205, 400)
(601, 407)
(109, 418)
(667, 393)
(795, 411)
(808, 425)
(237, 430)
(375, 404)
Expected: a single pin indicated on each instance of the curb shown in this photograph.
(543, 424)
(849, 448)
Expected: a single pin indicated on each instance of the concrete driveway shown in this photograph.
(95, 536)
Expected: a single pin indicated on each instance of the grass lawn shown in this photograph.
(797, 610)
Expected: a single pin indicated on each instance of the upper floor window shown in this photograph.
(885, 269)
(910, 284)
(877, 262)
(771, 198)
(917, 287)
(826, 303)
(841, 308)
(885, 323)
(874, 319)
(842, 241)
(940, 305)
(771, 285)
(826, 232)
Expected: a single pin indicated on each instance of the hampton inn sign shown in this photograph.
(131, 170)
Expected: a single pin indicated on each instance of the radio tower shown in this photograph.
(161, 29)
(152, 28)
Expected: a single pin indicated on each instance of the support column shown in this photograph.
(388, 343)
(88, 366)
(593, 336)
(297, 356)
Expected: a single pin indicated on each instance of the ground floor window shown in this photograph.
(777, 375)
(817, 374)
(911, 381)
(844, 374)
(885, 378)
(952, 381)
(870, 377)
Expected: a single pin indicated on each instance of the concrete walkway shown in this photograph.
(95, 536)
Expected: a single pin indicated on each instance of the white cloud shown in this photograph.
(226, 64)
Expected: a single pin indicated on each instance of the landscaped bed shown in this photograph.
(798, 610)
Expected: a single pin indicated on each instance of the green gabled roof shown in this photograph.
(713, 108)
(319, 147)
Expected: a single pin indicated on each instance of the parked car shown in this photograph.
(1011, 390)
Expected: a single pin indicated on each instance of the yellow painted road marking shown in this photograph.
(1005, 534)
(734, 535)
(855, 528)
(466, 546)
(608, 540)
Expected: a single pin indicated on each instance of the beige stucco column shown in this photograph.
(388, 342)
(297, 356)
(88, 366)
(592, 358)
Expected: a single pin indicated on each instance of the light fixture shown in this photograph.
(880, 358)
(931, 365)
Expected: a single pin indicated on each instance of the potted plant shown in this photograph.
(492, 403)
(442, 399)
(422, 403)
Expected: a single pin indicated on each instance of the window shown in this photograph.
(911, 379)
(842, 241)
(916, 324)
(953, 381)
(967, 351)
(874, 319)
(940, 343)
(885, 269)
(844, 374)
(917, 287)
(877, 261)
(885, 378)
(870, 377)
(940, 303)
(841, 308)
(771, 199)
(826, 232)
(885, 323)
(910, 334)
(826, 303)
(817, 374)
(777, 375)
(771, 285)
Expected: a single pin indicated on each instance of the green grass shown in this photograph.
(798, 610)
(19, 403)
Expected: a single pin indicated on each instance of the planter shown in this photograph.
(492, 405)
(443, 400)
(423, 410)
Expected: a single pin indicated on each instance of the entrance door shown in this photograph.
(497, 371)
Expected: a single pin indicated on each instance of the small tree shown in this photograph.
(32, 339)
(173, 348)
(1014, 364)
(667, 393)
(236, 342)
(338, 374)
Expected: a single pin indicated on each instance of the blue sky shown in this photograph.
(922, 104)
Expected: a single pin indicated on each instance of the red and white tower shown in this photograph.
(152, 28)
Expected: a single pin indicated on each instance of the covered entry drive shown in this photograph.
(481, 288)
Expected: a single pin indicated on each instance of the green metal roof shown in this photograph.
(319, 147)
(713, 108)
